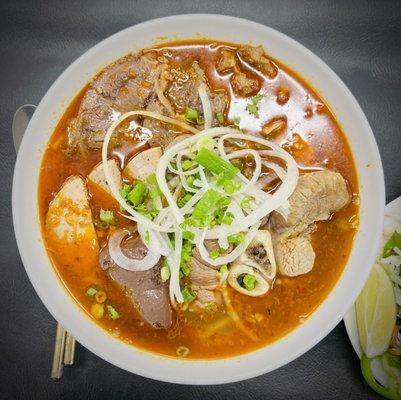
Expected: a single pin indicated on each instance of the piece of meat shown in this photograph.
(243, 84)
(182, 90)
(124, 86)
(210, 244)
(203, 277)
(204, 297)
(295, 256)
(226, 60)
(256, 57)
(316, 196)
(161, 134)
(145, 289)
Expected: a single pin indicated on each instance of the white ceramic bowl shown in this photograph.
(68, 313)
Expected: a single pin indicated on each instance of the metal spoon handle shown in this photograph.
(64, 346)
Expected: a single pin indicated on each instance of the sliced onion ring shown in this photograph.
(130, 264)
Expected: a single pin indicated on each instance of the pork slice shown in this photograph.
(210, 244)
(145, 289)
(203, 277)
(315, 197)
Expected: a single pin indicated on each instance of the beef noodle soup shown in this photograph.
(198, 199)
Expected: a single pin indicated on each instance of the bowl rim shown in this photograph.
(161, 367)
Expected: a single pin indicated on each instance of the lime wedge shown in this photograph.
(376, 313)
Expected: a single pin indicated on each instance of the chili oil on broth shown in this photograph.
(315, 140)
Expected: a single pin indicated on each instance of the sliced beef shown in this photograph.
(144, 289)
(124, 86)
(257, 58)
(317, 195)
(182, 90)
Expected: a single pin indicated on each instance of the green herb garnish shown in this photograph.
(215, 164)
(249, 282)
(394, 241)
(220, 117)
(137, 194)
(252, 107)
(191, 114)
(113, 313)
(107, 217)
(236, 238)
(165, 271)
(188, 294)
(91, 291)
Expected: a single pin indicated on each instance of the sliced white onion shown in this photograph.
(206, 105)
(109, 177)
(130, 264)
(153, 240)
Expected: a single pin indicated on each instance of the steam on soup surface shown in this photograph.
(222, 210)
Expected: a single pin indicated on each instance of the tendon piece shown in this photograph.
(69, 230)
(243, 84)
(145, 289)
(97, 175)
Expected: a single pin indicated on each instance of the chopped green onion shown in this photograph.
(91, 291)
(188, 294)
(107, 216)
(394, 241)
(207, 204)
(236, 122)
(113, 313)
(184, 199)
(230, 186)
(249, 282)
(147, 237)
(211, 307)
(213, 163)
(153, 186)
(165, 271)
(215, 253)
(246, 202)
(190, 180)
(236, 238)
(223, 269)
(187, 164)
(125, 190)
(191, 114)
(187, 235)
(220, 117)
(186, 255)
(228, 218)
(137, 194)
(206, 142)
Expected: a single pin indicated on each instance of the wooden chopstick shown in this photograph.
(69, 349)
(59, 345)
(64, 352)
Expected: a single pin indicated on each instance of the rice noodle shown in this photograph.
(206, 105)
